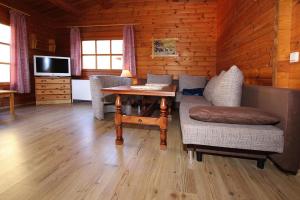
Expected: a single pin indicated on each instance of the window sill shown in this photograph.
(88, 72)
(4, 85)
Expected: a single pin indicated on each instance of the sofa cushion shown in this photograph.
(233, 115)
(250, 137)
(211, 85)
(228, 88)
(208, 90)
(190, 82)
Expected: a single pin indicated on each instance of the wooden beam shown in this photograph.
(65, 6)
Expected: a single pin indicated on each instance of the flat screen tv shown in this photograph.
(51, 66)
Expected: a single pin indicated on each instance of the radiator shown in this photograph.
(81, 90)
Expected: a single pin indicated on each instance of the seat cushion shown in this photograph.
(233, 115)
(249, 137)
(228, 88)
(195, 100)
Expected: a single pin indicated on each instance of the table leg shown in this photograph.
(12, 103)
(118, 121)
(163, 123)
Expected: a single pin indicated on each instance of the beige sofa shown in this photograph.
(280, 142)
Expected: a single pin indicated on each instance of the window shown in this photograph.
(102, 54)
(4, 53)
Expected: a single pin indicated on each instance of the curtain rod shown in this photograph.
(99, 25)
(7, 6)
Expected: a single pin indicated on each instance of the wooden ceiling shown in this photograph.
(57, 8)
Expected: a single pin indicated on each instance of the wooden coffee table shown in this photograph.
(9, 94)
(161, 121)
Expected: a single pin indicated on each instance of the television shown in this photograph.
(51, 66)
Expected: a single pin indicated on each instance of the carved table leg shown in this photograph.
(163, 123)
(12, 103)
(118, 121)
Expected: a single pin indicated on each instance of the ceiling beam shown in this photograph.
(65, 6)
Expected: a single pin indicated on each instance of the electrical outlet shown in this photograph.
(294, 57)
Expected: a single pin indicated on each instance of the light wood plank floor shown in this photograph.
(62, 152)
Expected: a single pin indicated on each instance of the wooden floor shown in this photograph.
(62, 152)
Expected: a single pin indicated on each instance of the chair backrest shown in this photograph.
(159, 79)
(104, 81)
(191, 82)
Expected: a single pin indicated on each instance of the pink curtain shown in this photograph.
(19, 73)
(75, 45)
(129, 49)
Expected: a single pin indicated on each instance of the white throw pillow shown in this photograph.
(209, 88)
(228, 88)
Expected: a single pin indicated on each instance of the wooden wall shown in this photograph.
(246, 37)
(192, 22)
(42, 29)
(288, 74)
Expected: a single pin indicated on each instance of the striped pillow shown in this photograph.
(210, 87)
(228, 88)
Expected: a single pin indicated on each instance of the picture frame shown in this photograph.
(165, 47)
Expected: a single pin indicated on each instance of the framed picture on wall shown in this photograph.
(164, 47)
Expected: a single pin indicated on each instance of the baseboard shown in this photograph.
(6, 108)
(81, 101)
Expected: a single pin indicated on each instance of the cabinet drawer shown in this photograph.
(52, 97)
(40, 92)
(52, 80)
(52, 86)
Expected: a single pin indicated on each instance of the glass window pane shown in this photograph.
(88, 47)
(4, 73)
(89, 62)
(117, 62)
(4, 53)
(5, 33)
(103, 46)
(103, 62)
(117, 46)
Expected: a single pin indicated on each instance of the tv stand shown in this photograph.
(52, 90)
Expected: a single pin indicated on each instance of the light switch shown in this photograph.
(294, 57)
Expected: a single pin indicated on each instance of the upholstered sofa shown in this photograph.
(280, 142)
(103, 103)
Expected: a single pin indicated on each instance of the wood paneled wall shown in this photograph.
(288, 74)
(192, 22)
(44, 32)
(246, 37)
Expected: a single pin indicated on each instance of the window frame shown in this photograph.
(4, 63)
(97, 54)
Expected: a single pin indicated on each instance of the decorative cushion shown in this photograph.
(162, 79)
(195, 92)
(232, 115)
(228, 88)
(208, 90)
(190, 82)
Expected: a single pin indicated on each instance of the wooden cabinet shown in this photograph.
(53, 90)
